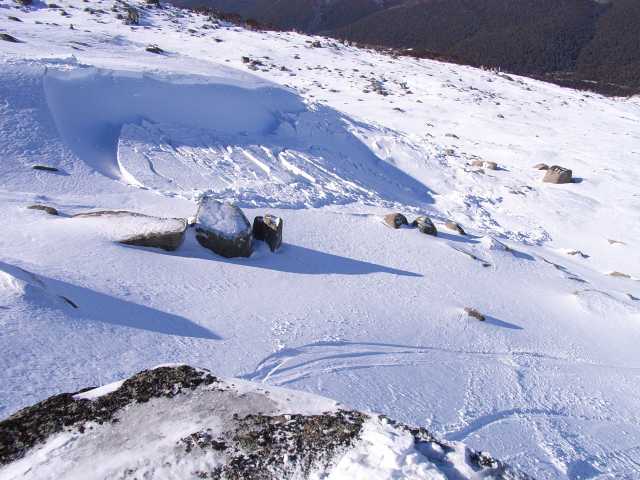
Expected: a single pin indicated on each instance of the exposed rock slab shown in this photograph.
(132, 228)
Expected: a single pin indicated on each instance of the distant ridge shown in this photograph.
(579, 43)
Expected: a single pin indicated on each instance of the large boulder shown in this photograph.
(395, 220)
(557, 174)
(132, 228)
(183, 422)
(269, 230)
(223, 229)
(425, 225)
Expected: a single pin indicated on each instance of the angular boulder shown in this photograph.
(269, 230)
(425, 225)
(132, 228)
(557, 174)
(472, 312)
(223, 229)
(395, 220)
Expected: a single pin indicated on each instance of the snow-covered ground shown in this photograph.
(349, 309)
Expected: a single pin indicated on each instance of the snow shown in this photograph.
(348, 309)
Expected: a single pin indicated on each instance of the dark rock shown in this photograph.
(223, 228)
(35, 424)
(557, 174)
(425, 225)
(45, 168)
(472, 312)
(15, 19)
(269, 230)
(133, 17)
(451, 225)
(166, 233)
(395, 220)
(44, 208)
(154, 49)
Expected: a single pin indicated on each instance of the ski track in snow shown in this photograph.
(348, 308)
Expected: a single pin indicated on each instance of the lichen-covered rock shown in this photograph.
(557, 174)
(223, 229)
(35, 424)
(395, 220)
(44, 208)
(268, 229)
(456, 227)
(132, 228)
(425, 225)
(182, 422)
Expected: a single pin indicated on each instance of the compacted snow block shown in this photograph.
(223, 229)
(132, 228)
(557, 174)
(269, 230)
(425, 225)
(395, 220)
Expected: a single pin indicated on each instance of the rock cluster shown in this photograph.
(224, 229)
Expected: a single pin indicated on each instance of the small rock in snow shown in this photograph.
(557, 174)
(619, 274)
(269, 230)
(485, 164)
(395, 220)
(472, 312)
(425, 225)
(45, 168)
(456, 227)
(44, 208)
(541, 166)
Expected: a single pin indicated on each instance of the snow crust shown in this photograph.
(348, 309)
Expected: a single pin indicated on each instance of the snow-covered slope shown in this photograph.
(329, 138)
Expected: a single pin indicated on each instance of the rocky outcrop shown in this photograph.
(425, 225)
(558, 174)
(182, 417)
(395, 220)
(268, 228)
(132, 228)
(223, 229)
(44, 208)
